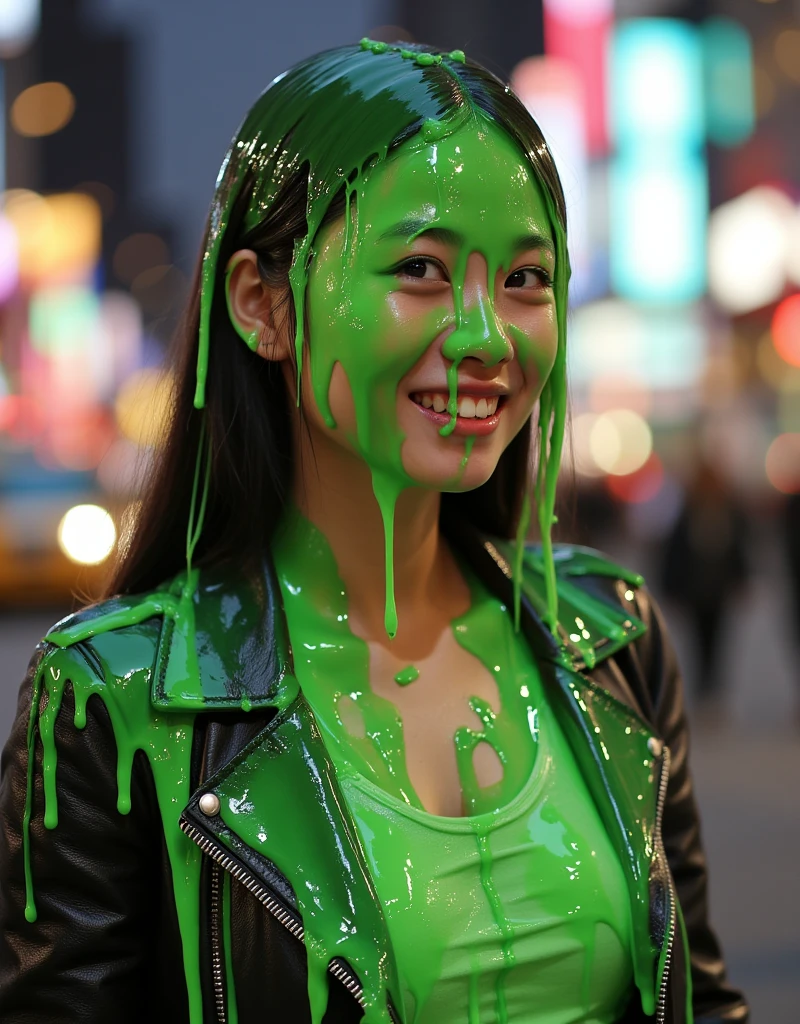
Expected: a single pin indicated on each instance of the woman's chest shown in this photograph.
(492, 915)
(452, 731)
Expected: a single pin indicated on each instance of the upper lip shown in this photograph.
(480, 389)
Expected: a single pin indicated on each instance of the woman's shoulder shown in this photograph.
(209, 639)
(109, 649)
(601, 604)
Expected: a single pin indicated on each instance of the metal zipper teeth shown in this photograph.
(263, 895)
(661, 1007)
(216, 943)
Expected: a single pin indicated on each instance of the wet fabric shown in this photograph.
(519, 915)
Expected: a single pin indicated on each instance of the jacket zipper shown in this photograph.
(224, 862)
(661, 1006)
(217, 972)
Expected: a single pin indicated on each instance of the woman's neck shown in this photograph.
(333, 490)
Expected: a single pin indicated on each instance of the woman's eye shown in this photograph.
(529, 277)
(422, 270)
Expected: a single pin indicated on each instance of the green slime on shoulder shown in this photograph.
(166, 742)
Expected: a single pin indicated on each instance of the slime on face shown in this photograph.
(294, 122)
(442, 184)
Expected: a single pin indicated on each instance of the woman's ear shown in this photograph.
(251, 306)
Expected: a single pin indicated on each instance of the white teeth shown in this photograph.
(466, 407)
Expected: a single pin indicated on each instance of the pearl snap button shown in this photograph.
(209, 804)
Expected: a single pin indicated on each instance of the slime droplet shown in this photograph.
(407, 675)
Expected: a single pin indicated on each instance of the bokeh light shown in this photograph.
(58, 235)
(783, 463)
(748, 243)
(87, 534)
(787, 53)
(42, 109)
(137, 253)
(143, 406)
(580, 438)
(786, 330)
(640, 486)
(19, 20)
(620, 441)
(9, 258)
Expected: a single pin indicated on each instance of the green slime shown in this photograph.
(363, 728)
(613, 745)
(364, 734)
(307, 118)
(166, 742)
(407, 675)
(438, 182)
(536, 926)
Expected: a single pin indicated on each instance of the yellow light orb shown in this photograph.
(580, 439)
(620, 442)
(87, 534)
(143, 406)
(42, 109)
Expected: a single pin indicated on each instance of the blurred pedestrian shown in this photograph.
(705, 567)
(791, 538)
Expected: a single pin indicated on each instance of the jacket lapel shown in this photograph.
(280, 812)
(280, 805)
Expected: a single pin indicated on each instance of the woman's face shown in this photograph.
(436, 289)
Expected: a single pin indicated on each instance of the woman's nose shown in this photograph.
(478, 333)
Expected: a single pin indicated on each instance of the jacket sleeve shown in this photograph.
(93, 877)
(714, 1000)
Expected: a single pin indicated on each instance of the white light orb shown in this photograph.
(87, 534)
(748, 249)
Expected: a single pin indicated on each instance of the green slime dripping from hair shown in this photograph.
(303, 118)
(440, 188)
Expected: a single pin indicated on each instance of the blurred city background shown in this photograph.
(676, 128)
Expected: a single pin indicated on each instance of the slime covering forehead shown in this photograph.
(339, 113)
(463, 177)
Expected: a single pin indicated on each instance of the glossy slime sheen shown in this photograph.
(396, 91)
(166, 742)
(332, 667)
(399, 92)
(364, 733)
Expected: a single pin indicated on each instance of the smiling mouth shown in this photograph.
(469, 406)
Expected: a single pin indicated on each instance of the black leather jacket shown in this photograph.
(107, 944)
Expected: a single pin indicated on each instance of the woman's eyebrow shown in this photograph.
(535, 241)
(417, 227)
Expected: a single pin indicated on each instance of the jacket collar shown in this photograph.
(617, 751)
(236, 625)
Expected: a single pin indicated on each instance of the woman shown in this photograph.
(361, 754)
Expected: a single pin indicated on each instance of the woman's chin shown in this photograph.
(450, 475)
